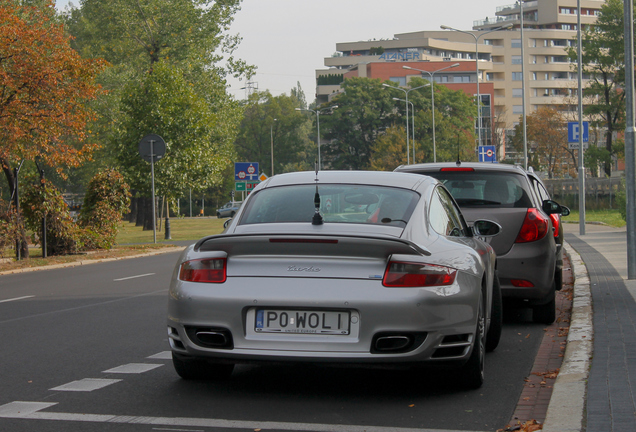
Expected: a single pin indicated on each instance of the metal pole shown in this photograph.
(413, 129)
(271, 135)
(43, 240)
(433, 115)
(152, 172)
(318, 138)
(478, 95)
(190, 202)
(523, 91)
(408, 157)
(630, 134)
(16, 195)
(580, 112)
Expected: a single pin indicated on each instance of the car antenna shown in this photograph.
(317, 219)
(459, 162)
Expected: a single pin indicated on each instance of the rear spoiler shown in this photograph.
(308, 244)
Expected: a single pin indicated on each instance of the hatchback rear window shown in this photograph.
(338, 203)
(476, 189)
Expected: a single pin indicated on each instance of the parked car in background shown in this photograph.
(370, 269)
(229, 209)
(529, 257)
(558, 228)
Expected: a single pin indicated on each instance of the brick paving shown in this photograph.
(537, 391)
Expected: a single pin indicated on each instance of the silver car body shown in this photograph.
(332, 271)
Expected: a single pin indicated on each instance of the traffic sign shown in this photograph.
(245, 186)
(573, 132)
(152, 146)
(246, 171)
(487, 153)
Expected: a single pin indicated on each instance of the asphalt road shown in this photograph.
(85, 349)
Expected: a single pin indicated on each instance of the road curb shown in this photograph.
(89, 261)
(567, 404)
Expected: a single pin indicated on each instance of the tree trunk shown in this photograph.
(148, 223)
(132, 216)
(141, 211)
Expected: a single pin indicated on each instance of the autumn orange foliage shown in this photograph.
(44, 88)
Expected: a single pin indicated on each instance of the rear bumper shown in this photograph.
(533, 262)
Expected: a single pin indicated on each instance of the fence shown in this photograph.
(600, 193)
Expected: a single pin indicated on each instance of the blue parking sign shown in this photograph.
(573, 132)
(246, 171)
(487, 153)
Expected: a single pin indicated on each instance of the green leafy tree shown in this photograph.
(365, 110)
(274, 119)
(198, 137)
(389, 150)
(603, 54)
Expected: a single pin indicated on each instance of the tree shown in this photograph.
(44, 90)
(198, 138)
(365, 111)
(270, 118)
(389, 150)
(548, 141)
(603, 54)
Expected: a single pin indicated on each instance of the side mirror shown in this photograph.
(552, 207)
(486, 228)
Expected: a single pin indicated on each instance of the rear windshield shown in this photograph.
(338, 203)
(476, 189)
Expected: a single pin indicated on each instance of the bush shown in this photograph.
(9, 230)
(621, 201)
(44, 199)
(107, 198)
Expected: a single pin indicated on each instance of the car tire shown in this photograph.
(218, 215)
(545, 313)
(496, 316)
(472, 373)
(232, 214)
(558, 280)
(198, 369)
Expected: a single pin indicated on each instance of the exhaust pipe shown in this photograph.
(392, 343)
(213, 338)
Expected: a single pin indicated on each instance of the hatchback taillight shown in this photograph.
(556, 223)
(206, 270)
(404, 274)
(535, 227)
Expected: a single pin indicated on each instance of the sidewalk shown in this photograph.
(597, 383)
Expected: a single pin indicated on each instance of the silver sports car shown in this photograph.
(339, 267)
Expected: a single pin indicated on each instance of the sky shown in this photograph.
(289, 39)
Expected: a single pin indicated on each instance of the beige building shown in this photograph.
(550, 78)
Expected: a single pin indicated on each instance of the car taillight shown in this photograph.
(404, 274)
(556, 223)
(206, 270)
(535, 227)
(521, 283)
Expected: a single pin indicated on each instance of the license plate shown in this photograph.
(299, 321)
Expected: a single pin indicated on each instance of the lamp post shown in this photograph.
(406, 93)
(505, 26)
(430, 75)
(271, 134)
(317, 112)
(412, 123)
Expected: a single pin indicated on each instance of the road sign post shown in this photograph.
(152, 148)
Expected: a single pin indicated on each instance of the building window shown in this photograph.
(401, 81)
(515, 43)
(490, 76)
(461, 78)
(517, 76)
(517, 93)
(516, 59)
(517, 109)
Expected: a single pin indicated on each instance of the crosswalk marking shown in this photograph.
(33, 412)
(133, 368)
(86, 385)
(164, 355)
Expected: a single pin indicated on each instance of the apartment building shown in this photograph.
(493, 48)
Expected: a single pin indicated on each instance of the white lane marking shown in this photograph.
(133, 368)
(133, 277)
(31, 413)
(15, 299)
(19, 409)
(86, 385)
(179, 430)
(164, 355)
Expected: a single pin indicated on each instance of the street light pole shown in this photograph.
(271, 134)
(406, 93)
(412, 123)
(430, 75)
(317, 112)
(506, 26)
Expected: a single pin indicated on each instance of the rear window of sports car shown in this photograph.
(358, 204)
(495, 189)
